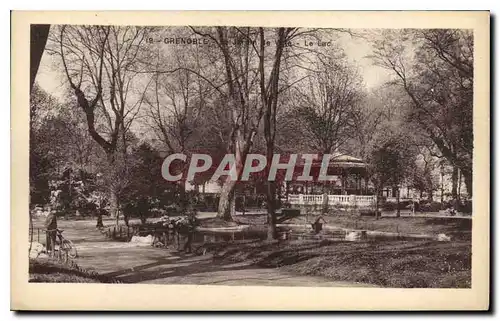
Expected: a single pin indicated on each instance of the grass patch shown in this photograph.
(414, 264)
(47, 271)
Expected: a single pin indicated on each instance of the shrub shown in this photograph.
(366, 212)
(465, 207)
(430, 206)
(389, 206)
(392, 206)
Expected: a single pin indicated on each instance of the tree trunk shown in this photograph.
(442, 186)
(377, 200)
(325, 199)
(232, 204)
(467, 175)
(398, 211)
(454, 182)
(113, 191)
(226, 199)
(99, 219)
(430, 192)
(287, 191)
(182, 196)
(269, 100)
(117, 221)
(271, 211)
(459, 184)
(113, 203)
(241, 149)
(271, 185)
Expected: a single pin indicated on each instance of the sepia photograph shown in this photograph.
(253, 155)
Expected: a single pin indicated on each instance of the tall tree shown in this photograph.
(147, 188)
(236, 49)
(328, 104)
(269, 94)
(435, 68)
(42, 162)
(176, 103)
(99, 63)
(391, 160)
(423, 175)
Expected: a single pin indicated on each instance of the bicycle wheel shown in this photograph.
(69, 248)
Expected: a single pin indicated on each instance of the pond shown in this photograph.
(213, 236)
(298, 233)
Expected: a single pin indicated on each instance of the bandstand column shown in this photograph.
(342, 180)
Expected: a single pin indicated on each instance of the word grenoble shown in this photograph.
(253, 163)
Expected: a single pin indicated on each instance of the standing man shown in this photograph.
(189, 224)
(318, 224)
(51, 231)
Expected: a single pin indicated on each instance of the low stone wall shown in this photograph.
(356, 201)
(313, 209)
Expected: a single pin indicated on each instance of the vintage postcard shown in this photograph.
(250, 160)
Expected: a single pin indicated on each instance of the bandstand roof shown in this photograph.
(336, 161)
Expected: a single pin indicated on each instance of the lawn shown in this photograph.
(385, 263)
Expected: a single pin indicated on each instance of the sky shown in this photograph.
(355, 48)
(48, 77)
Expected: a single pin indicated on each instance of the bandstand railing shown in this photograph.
(344, 200)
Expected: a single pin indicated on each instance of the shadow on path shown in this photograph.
(176, 266)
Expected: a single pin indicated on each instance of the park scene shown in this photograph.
(251, 156)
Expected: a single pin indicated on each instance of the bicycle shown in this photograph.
(66, 247)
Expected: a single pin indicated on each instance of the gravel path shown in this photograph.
(145, 264)
(141, 263)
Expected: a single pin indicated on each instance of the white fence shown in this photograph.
(344, 200)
